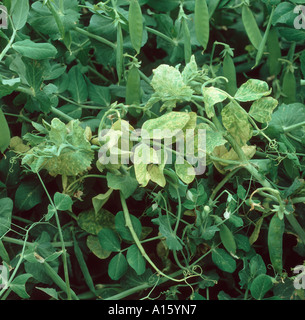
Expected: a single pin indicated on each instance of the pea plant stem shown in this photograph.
(162, 35)
(95, 37)
(64, 253)
(138, 243)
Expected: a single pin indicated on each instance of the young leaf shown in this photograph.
(62, 202)
(135, 259)
(117, 266)
(109, 240)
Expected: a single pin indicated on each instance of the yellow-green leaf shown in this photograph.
(235, 120)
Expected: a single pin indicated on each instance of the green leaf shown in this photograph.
(125, 183)
(28, 195)
(172, 240)
(120, 226)
(51, 212)
(42, 20)
(252, 90)
(235, 120)
(117, 266)
(35, 50)
(257, 266)
(261, 110)
(63, 202)
(6, 208)
(109, 240)
(223, 260)
(8, 86)
(260, 286)
(49, 291)
(211, 96)
(99, 200)
(18, 285)
(19, 13)
(286, 116)
(135, 259)
(77, 85)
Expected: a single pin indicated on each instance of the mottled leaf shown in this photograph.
(211, 96)
(235, 120)
(252, 90)
(261, 110)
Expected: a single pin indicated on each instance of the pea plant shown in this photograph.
(152, 150)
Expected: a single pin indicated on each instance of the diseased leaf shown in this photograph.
(168, 84)
(235, 120)
(94, 245)
(261, 110)
(185, 172)
(93, 222)
(211, 96)
(252, 90)
(166, 126)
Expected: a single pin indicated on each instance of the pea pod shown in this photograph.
(119, 52)
(229, 72)
(273, 47)
(227, 238)
(262, 45)
(135, 25)
(133, 89)
(186, 41)
(289, 86)
(275, 242)
(251, 27)
(202, 22)
(5, 135)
